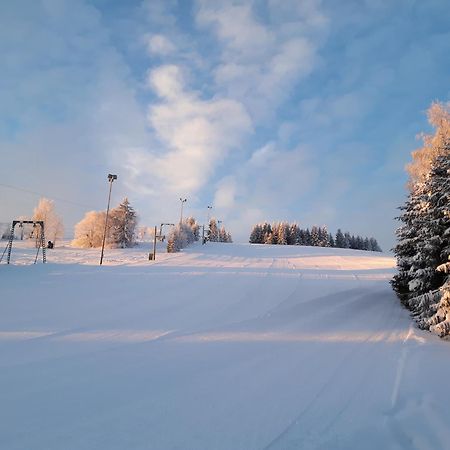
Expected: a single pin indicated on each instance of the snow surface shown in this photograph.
(222, 346)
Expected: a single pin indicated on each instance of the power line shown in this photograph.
(40, 194)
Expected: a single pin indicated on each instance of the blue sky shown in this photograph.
(299, 110)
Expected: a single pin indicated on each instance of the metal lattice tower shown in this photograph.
(41, 240)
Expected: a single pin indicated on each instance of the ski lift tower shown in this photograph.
(41, 240)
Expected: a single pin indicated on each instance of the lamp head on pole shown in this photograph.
(111, 177)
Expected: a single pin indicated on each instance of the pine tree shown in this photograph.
(374, 245)
(439, 322)
(347, 240)
(340, 239)
(315, 236)
(323, 237)
(294, 235)
(331, 240)
(282, 234)
(308, 237)
(213, 232)
(301, 237)
(267, 233)
(424, 245)
(123, 222)
(257, 235)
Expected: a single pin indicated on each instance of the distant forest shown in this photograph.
(283, 233)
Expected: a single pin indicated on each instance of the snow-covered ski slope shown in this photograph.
(222, 346)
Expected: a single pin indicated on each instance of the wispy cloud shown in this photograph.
(196, 134)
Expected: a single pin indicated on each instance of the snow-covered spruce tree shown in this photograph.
(123, 222)
(222, 235)
(301, 237)
(433, 243)
(424, 237)
(308, 238)
(408, 241)
(213, 232)
(257, 235)
(53, 224)
(294, 235)
(283, 233)
(374, 245)
(267, 233)
(274, 235)
(324, 237)
(315, 236)
(340, 239)
(331, 240)
(439, 322)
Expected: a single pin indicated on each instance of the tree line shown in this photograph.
(423, 248)
(283, 233)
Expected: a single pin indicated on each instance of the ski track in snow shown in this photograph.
(221, 346)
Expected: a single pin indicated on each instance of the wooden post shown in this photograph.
(152, 256)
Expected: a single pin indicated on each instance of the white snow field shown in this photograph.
(222, 346)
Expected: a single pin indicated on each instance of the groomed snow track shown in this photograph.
(222, 346)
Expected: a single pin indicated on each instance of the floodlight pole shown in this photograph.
(209, 211)
(111, 178)
(183, 201)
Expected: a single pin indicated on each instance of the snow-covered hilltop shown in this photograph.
(222, 346)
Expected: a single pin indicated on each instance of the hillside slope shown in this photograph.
(223, 346)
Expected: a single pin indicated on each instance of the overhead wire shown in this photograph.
(40, 194)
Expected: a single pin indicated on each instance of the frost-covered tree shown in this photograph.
(374, 245)
(89, 231)
(439, 322)
(323, 237)
(257, 235)
(424, 237)
(340, 239)
(213, 231)
(331, 240)
(180, 237)
(195, 227)
(283, 233)
(53, 224)
(294, 235)
(122, 225)
(315, 236)
(422, 158)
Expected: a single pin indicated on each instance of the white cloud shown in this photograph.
(158, 44)
(262, 61)
(224, 197)
(167, 81)
(196, 134)
(244, 37)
